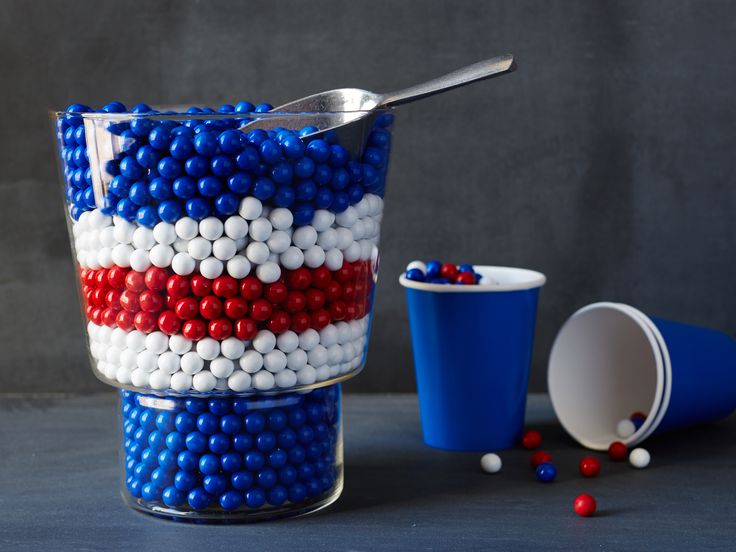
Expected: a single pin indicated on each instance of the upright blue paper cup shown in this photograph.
(610, 360)
(472, 350)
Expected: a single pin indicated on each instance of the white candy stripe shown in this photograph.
(157, 361)
(259, 240)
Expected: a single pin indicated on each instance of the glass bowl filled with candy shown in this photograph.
(218, 260)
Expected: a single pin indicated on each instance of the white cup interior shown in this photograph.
(605, 365)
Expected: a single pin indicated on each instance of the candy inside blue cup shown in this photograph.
(472, 350)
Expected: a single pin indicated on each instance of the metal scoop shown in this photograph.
(334, 110)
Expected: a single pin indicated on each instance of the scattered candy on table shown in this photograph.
(589, 466)
(639, 458)
(539, 457)
(435, 272)
(491, 462)
(226, 454)
(546, 472)
(638, 419)
(531, 440)
(585, 505)
(625, 428)
(617, 451)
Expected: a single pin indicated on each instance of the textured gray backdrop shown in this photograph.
(606, 161)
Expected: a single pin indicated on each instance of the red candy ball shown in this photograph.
(135, 281)
(345, 274)
(590, 466)
(337, 310)
(333, 291)
(116, 277)
(465, 278)
(279, 322)
(225, 286)
(276, 292)
(220, 329)
(585, 505)
(150, 301)
(300, 322)
(245, 329)
(448, 271)
(112, 298)
(540, 457)
(210, 307)
(617, 451)
(532, 439)
(320, 319)
(299, 279)
(201, 286)
(125, 320)
(194, 329)
(129, 301)
(295, 301)
(145, 322)
(108, 317)
(236, 307)
(169, 322)
(155, 278)
(260, 310)
(321, 277)
(251, 288)
(177, 286)
(187, 308)
(315, 299)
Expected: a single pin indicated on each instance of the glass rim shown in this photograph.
(125, 116)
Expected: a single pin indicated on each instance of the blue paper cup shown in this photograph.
(610, 360)
(472, 350)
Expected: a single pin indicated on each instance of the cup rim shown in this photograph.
(531, 279)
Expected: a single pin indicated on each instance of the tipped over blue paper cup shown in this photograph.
(472, 351)
(610, 359)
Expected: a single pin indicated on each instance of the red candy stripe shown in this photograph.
(197, 307)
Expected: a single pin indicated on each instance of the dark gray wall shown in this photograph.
(606, 161)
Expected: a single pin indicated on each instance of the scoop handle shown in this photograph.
(472, 73)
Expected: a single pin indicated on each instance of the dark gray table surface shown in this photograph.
(59, 490)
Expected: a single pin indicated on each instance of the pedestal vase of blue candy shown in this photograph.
(227, 280)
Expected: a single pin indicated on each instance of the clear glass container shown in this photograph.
(232, 459)
(215, 260)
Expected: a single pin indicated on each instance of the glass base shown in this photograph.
(241, 515)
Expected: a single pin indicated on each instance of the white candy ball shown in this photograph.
(491, 462)
(169, 362)
(305, 237)
(123, 375)
(314, 256)
(232, 348)
(263, 380)
(334, 354)
(211, 268)
(274, 361)
(292, 258)
(159, 379)
(147, 361)
(366, 249)
(309, 339)
(204, 381)
(191, 363)
(307, 375)
(239, 381)
(358, 230)
(157, 342)
(281, 218)
(135, 340)
(322, 220)
(224, 249)
(260, 229)
(143, 238)
(279, 242)
(236, 227)
(183, 264)
(128, 358)
(199, 248)
(257, 252)
(164, 233)
(161, 255)
(639, 458)
(251, 361)
(208, 348)
(139, 260)
(268, 272)
(139, 378)
(211, 228)
(181, 382)
(323, 373)
(327, 239)
(104, 257)
(287, 341)
(328, 336)
(179, 344)
(264, 342)
(285, 379)
(344, 332)
(250, 208)
(222, 367)
(625, 428)
(296, 360)
(333, 259)
(417, 264)
(347, 218)
(180, 245)
(238, 267)
(121, 254)
(352, 253)
(186, 228)
(318, 356)
(344, 238)
(107, 237)
(123, 230)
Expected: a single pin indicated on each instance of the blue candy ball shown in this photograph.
(187, 460)
(205, 143)
(147, 216)
(303, 214)
(151, 492)
(219, 443)
(169, 167)
(546, 472)
(264, 188)
(244, 107)
(270, 151)
(209, 186)
(198, 208)
(181, 147)
(160, 188)
(414, 274)
(170, 211)
(222, 165)
(254, 460)
(215, 484)
(173, 497)
(198, 499)
(231, 142)
(185, 481)
(231, 500)
(130, 168)
(184, 187)
(433, 268)
(277, 496)
(242, 442)
(263, 108)
(239, 183)
(231, 461)
(318, 150)
(231, 424)
(209, 464)
(197, 166)
(248, 159)
(255, 498)
(242, 480)
(226, 204)
(196, 442)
